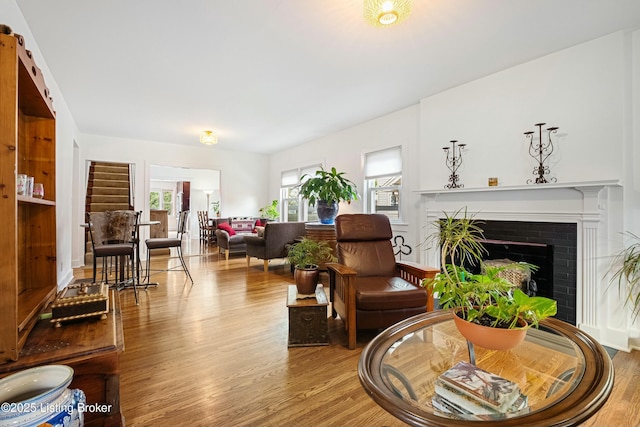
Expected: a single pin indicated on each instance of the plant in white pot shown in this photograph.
(327, 189)
(305, 257)
(487, 299)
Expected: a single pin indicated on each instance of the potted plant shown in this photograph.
(327, 189)
(215, 207)
(483, 300)
(305, 257)
(270, 212)
(626, 272)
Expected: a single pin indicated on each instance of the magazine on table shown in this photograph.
(467, 389)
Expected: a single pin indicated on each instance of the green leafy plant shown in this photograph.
(270, 211)
(309, 252)
(215, 207)
(329, 186)
(485, 298)
(626, 273)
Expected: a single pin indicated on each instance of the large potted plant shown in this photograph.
(327, 189)
(305, 257)
(625, 270)
(485, 303)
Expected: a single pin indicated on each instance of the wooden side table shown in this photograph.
(307, 318)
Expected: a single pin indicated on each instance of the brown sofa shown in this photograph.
(274, 241)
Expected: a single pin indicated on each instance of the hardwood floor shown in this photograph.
(215, 354)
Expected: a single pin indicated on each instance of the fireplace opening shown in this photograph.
(550, 246)
(538, 254)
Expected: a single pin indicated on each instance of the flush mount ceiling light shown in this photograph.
(384, 13)
(208, 137)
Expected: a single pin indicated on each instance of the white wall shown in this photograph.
(345, 151)
(243, 188)
(66, 132)
(581, 90)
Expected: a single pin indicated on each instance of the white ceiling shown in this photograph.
(268, 74)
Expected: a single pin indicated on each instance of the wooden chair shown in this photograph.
(206, 229)
(169, 242)
(368, 288)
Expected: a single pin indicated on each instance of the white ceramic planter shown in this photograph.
(41, 395)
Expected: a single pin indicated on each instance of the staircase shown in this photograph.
(108, 189)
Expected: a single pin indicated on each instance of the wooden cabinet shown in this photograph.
(28, 268)
(92, 348)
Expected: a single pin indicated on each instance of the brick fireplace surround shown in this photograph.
(589, 208)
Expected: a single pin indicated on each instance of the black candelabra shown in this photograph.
(453, 161)
(541, 150)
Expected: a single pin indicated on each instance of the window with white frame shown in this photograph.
(383, 182)
(162, 199)
(294, 208)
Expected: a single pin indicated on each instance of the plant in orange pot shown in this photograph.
(486, 302)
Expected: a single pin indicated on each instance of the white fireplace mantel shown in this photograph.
(585, 185)
(592, 205)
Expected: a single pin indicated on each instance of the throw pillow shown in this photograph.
(226, 227)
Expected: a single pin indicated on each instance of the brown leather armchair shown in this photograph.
(368, 288)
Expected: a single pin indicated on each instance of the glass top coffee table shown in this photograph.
(565, 374)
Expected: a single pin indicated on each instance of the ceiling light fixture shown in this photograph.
(208, 137)
(384, 13)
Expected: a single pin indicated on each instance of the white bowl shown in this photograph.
(35, 384)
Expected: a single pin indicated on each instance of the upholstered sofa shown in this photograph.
(231, 232)
(273, 242)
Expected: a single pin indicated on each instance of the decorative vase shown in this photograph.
(40, 396)
(327, 211)
(490, 337)
(306, 279)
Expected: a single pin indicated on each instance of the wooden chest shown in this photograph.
(80, 300)
(307, 319)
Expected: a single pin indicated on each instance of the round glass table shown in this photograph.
(565, 374)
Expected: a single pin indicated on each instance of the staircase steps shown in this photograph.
(107, 190)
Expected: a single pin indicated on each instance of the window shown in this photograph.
(293, 206)
(161, 199)
(383, 182)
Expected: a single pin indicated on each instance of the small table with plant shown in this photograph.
(564, 375)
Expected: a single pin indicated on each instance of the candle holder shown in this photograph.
(541, 151)
(453, 162)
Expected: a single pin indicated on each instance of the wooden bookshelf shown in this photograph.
(28, 272)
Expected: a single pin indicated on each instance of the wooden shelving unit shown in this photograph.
(28, 271)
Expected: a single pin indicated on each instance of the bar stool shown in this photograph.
(169, 242)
